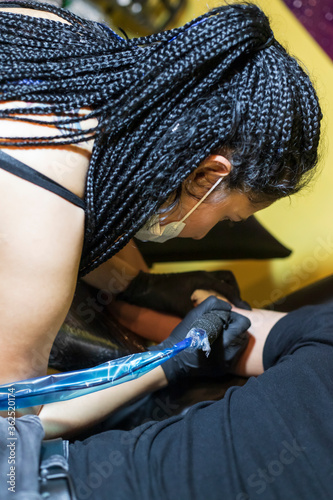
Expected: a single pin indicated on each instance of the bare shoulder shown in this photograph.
(34, 13)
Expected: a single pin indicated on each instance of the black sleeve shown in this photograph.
(271, 439)
(306, 326)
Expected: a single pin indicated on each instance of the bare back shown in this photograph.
(41, 237)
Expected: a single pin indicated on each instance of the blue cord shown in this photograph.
(69, 385)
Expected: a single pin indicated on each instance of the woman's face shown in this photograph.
(234, 206)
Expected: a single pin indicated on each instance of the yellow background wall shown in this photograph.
(304, 222)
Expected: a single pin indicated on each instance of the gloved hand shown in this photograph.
(227, 334)
(171, 293)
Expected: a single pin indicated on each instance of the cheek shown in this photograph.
(197, 227)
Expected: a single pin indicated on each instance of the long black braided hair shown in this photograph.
(163, 104)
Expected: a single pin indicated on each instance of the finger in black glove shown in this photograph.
(226, 332)
(171, 293)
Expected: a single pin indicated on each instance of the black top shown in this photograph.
(22, 170)
(269, 440)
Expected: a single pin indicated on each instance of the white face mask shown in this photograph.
(152, 231)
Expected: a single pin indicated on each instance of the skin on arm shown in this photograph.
(262, 321)
(251, 362)
(132, 254)
(67, 418)
(114, 276)
(149, 324)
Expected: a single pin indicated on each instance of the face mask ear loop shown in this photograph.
(202, 199)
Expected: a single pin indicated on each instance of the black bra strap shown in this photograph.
(18, 168)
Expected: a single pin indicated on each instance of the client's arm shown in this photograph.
(262, 321)
(114, 276)
(251, 361)
(68, 417)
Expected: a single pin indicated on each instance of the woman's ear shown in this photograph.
(210, 170)
(217, 164)
(213, 168)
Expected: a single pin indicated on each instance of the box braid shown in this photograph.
(163, 103)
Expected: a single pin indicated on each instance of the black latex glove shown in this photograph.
(227, 334)
(171, 293)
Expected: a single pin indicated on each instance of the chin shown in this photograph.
(190, 237)
(198, 237)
